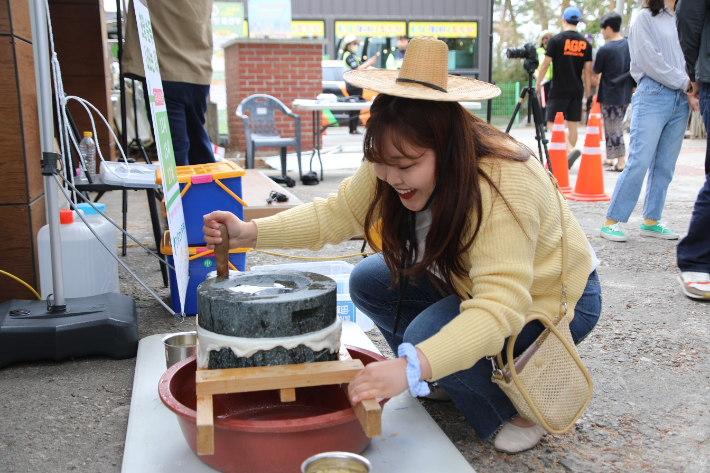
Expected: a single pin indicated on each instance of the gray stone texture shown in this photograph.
(225, 358)
(306, 304)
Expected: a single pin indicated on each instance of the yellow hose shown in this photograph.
(22, 282)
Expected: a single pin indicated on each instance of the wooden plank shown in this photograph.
(287, 395)
(263, 378)
(30, 118)
(5, 17)
(12, 163)
(17, 257)
(256, 187)
(205, 425)
(20, 14)
(369, 413)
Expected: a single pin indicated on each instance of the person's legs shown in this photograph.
(571, 135)
(200, 151)
(704, 97)
(613, 129)
(573, 115)
(483, 403)
(693, 251)
(662, 167)
(354, 118)
(651, 110)
(369, 290)
(175, 104)
(555, 105)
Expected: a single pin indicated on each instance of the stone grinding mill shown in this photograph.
(269, 331)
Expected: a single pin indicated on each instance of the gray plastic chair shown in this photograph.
(260, 128)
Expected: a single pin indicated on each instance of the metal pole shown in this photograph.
(40, 43)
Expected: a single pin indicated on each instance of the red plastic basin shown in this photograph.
(256, 432)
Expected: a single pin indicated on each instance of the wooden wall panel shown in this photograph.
(20, 15)
(12, 162)
(4, 17)
(17, 258)
(30, 119)
(38, 219)
(79, 49)
(83, 55)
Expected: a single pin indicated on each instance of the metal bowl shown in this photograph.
(179, 346)
(256, 432)
(332, 462)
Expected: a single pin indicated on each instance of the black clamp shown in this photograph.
(50, 162)
(276, 197)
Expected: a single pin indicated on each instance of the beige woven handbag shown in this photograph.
(548, 383)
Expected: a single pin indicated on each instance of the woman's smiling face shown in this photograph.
(412, 174)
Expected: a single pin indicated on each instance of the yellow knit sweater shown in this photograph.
(515, 262)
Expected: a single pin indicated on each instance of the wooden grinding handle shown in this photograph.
(221, 252)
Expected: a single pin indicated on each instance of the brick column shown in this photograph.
(287, 69)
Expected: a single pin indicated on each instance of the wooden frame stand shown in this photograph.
(285, 378)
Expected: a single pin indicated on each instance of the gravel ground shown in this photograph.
(648, 357)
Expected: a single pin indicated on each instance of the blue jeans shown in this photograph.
(425, 311)
(186, 105)
(659, 117)
(694, 250)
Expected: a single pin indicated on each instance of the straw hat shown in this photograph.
(424, 75)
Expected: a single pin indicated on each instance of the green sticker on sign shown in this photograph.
(208, 263)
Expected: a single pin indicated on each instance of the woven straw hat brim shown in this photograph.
(459, 89)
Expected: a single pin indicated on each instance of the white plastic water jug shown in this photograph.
(87, 268)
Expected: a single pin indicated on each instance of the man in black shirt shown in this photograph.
(571, 55)
(613, 63)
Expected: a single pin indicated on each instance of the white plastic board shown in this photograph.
(411, 441)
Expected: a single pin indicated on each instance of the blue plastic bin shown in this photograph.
(205, 194)
(199, 269)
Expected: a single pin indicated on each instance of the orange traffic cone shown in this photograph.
(590, 180)
(597, 112)
(558, 154)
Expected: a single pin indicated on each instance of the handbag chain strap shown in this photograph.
(563, 276)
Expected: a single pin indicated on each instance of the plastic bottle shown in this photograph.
(87, 268)
(87, 148)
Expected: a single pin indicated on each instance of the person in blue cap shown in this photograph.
(571, 56)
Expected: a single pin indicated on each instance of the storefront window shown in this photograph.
(460, 37)
(463, 52)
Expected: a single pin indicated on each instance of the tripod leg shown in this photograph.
(534, 105)
(517, 109)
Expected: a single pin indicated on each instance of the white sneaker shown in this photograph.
(514, 439)
(695, 285)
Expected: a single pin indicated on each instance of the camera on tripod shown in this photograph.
(526, 52)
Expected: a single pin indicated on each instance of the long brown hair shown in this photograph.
(406, 123)
(656, 6)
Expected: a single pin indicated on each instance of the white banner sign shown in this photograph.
(164, 145)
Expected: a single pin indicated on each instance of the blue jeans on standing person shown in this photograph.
(186, 105)
(659, 117)
(425, 311)
(694, 250)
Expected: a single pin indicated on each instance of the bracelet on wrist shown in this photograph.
(414, 372)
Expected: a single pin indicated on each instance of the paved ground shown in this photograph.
(648, 357)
